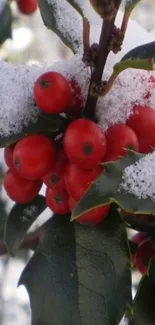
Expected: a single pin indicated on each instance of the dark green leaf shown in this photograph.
(105, 190)
(52, 14)
(47, 126)
(20, 219)
(145, 51)
(143, 306)
(51, 276)
(5, 23)
(141, 57)
(78, 273)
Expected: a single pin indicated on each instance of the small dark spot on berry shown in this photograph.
(58, 198)
(88, 149)
(54, 179)
(44, 83)
(17, 162)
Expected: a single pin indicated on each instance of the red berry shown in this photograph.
(142, 121)
(78, 180)
(8, 155)
(138, 238)
(94, 216)
(57, 200)
(119, 137)
(19, 189)
(144, 253)
(55, 176)
(33, 156)
(76, 104)
(27, 7)
(52, 93)
(84, 143)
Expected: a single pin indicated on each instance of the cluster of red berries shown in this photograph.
(27, 7)
(69, 168)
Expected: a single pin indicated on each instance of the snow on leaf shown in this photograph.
(86, 10)
(16, 84)
(139, 178)
(63, 20)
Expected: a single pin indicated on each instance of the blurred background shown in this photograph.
(26, 47)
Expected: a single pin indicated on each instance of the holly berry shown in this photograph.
(142, 121)
(94, 216)
(76, 104)
(55, 176)
(78, 180)
(119, 137)
(8, 155)
(57, 200)
(34, 156)
(27, 7)
(84, 143)
(144, 253)
(52, 93)
(138, 238)
(19, 189)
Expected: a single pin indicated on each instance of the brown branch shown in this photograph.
(103, 51)
(86, 34)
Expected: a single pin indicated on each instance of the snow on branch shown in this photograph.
(17, 107)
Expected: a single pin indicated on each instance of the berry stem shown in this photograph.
(86, 34)
(103, 51)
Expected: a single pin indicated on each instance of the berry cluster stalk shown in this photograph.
(103, 51)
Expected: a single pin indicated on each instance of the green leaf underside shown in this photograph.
(105, 190)
(78, 273)
(5, 23)
(143, 305)
(141, 57)
(20, 219)
(40, 125)
(130, 4)
(49, 13)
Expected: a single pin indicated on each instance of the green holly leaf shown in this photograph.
(104, 190)
(143, 305)
(20, 219)
(75, 271)
(5, 23)
(141, 57)
(49, 126)
(60, 17)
